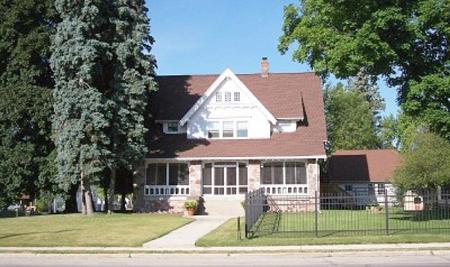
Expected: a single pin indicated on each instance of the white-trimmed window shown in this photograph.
(228, 129)
(167, 179)
(348, 187)
(381, 189)
(237, 96)
(287, 177)
(219, 97)
(227, 96)
(172, 127)
(242, 129)
(213, 129)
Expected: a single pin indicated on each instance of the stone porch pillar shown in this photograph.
(138, 189)
(313, 178)
(195, 179)
(254, 174)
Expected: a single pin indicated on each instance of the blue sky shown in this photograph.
(207, 36)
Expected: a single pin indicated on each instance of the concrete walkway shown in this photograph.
(186, 236)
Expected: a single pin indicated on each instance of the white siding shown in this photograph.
(286, 126)
(244, 110)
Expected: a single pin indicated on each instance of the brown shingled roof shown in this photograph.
(363, 165)
(285, 95)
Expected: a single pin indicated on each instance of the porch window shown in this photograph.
(213, 129)
(167, 179)
(228, 129)
(284, 177)
(178, 174)
(224, 178)
(207, 178)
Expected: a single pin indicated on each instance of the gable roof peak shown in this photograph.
(226, 74)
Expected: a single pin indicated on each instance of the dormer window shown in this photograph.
(242, 129)
(172, 127)
(227, 96)
(219, 97)
(237, 96)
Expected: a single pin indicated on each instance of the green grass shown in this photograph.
(79, 230)
(334, 226)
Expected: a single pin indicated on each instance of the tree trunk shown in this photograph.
(122, 202)
(83, 198)
(71, 201)
(105, 192)
(112, 186)
(88, 208)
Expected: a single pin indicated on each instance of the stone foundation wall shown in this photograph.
(164, 204)
(254, 174)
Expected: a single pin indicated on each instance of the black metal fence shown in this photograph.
(346, 213)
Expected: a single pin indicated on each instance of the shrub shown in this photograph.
(191, 204)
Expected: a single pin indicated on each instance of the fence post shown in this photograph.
(238, 228)
(386, 208)
(316, 215)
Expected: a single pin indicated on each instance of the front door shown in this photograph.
(224, 178)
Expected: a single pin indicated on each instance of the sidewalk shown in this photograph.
(186, 236)
(321, 249)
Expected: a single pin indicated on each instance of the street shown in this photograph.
(260, 260)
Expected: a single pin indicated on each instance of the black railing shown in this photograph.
(346, 213)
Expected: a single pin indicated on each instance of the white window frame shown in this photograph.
(219, 97)
(169, 131)
(236, 96)
(221, 128)
(166, 189)
(228, 97)
(237, 129)
(213, 186)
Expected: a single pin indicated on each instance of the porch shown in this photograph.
(222, 184)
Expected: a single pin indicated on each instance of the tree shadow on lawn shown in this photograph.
(33, 233)
(426, 215)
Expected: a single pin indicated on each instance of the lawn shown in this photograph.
(334, 227)
(79, 230)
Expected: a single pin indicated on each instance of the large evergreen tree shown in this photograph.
(82, 112)
(133, 78)
(26, 161)
(104, 71)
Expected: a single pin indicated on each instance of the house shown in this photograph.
(364, 173)
(216, 137)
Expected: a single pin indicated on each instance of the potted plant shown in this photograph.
(373, 207)
(191, 206)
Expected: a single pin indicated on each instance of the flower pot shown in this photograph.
(190, 212)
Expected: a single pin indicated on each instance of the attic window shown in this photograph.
(219, 97)
(237, 96)
(213, 129)
(227, 96)
(172, 127)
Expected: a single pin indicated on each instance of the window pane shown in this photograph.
(213, 129)
(242, 174)
(207, 174)
(218, 97)
(228, 129)
(218, 176)
(278, 173)
(151, 174)
(242, 129)
(266, 174)
(183, 177)
(172, 127)
(161, 174)
(173, 173)
(206, 190)
(290, 172)
(301, 173)
(237, 96)
(231, 176)
(227, 96)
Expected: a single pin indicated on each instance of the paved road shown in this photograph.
(17, 260)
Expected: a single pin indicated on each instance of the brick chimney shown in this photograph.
(264, 67)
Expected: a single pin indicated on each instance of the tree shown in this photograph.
(82, 113)
(407, 42)
(25, 99)
(349, 119)
(388, 132)
(133, 79)
(425, 163)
